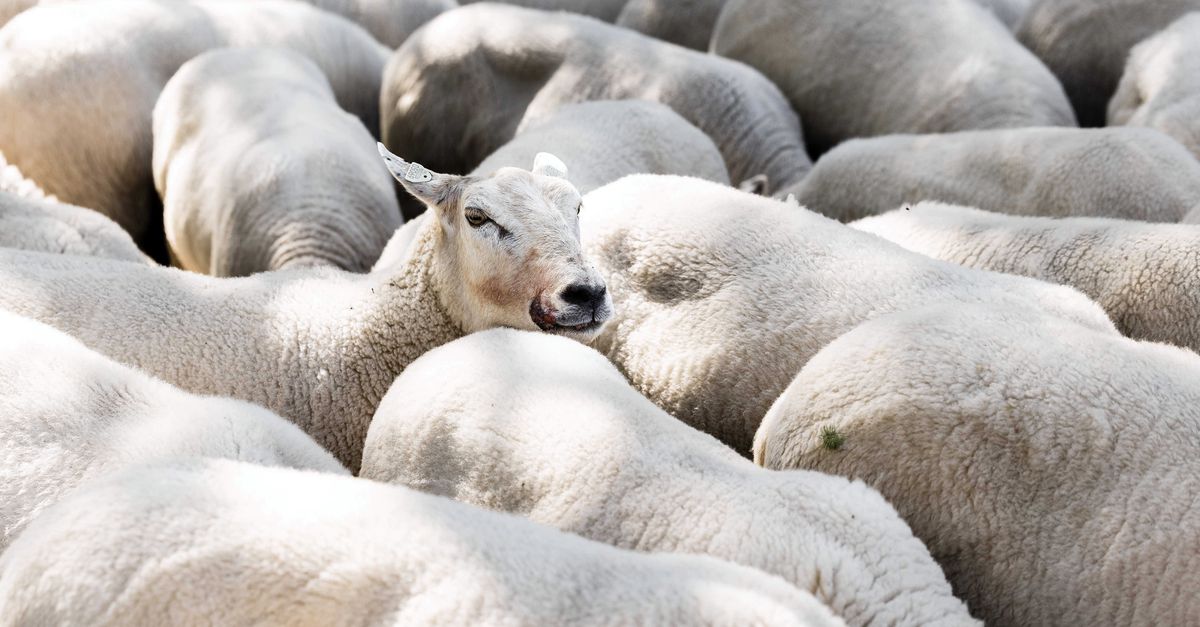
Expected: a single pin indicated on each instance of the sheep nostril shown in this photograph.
(583, 295)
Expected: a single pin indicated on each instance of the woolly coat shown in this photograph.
(1161, 84)
(1130, 173)
(547, 428)
(859, 68)
(1146, 276)
(721, 296)
(86, 76)
(221, 542)
(484, 70)
(259, 169)
(69, 415)
(1051, 469)
(605, 140)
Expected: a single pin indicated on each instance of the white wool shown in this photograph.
(484, 70)
(53, 227)
(1146, 276)
(1130, 173)
(321, 346)
(1050, 468)
(1161, 84)
(86, 75)
(1085, 43)
(68, 415)
(547, 428)
(606, 140)
(857, 68)
(259, 169)
(721, 296)
(228, 543)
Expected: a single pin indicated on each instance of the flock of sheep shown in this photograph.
(933, 265)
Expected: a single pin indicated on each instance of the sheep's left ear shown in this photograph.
(547, 164)
(426, 185)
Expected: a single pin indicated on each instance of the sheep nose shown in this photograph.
(584, 295)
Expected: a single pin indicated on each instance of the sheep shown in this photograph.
(721, 296)
(260, 170)
(879, 68)
(606, 140)
(688, 23)
(231, 543)
(68, 415)
(484, 70)
(1144, 275)
(1085, 43)
(78, 83)
(541, 426)
(1051, 469)
(1130, 173)
(320, 346)
(1161, 84)
(53, 227)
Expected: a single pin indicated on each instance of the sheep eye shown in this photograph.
(476, 218)
(579, 208)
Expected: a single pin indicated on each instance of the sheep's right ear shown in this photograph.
(426, 185)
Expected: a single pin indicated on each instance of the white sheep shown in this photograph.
(1127, 172)
(858, 68)
(1085, 43)
(1161, 84)
(53, 227)
(1051, 469)
(259, 169)
(721, 296)
(1146, 276)
(229, 543)
(321, 346)
(78, 83)
(547, 428)
(68, 415)
(606, 140)
(483, 70)
(688, 23)
(389, 21)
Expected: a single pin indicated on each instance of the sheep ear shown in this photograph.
(426, 185)
(547, 164)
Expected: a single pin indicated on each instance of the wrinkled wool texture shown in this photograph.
(1161, 84)
(721, 296)
(1130, 173)
(1146, 276)
(53, 227)
(87, 75)
(687, 23)
(1085, 43)
(1051, 469)
(14, 182)
(603, 141)
(484, 70)
(259, 169)
(858, 68)
(70, 415)
(221, 542)
(319, 346)
(547, 428)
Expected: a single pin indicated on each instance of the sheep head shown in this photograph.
(510, 253)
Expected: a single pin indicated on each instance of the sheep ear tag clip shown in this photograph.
(416, 173)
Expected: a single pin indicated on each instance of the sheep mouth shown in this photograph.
(547, 321)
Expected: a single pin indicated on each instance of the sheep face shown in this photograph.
(510, 248)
